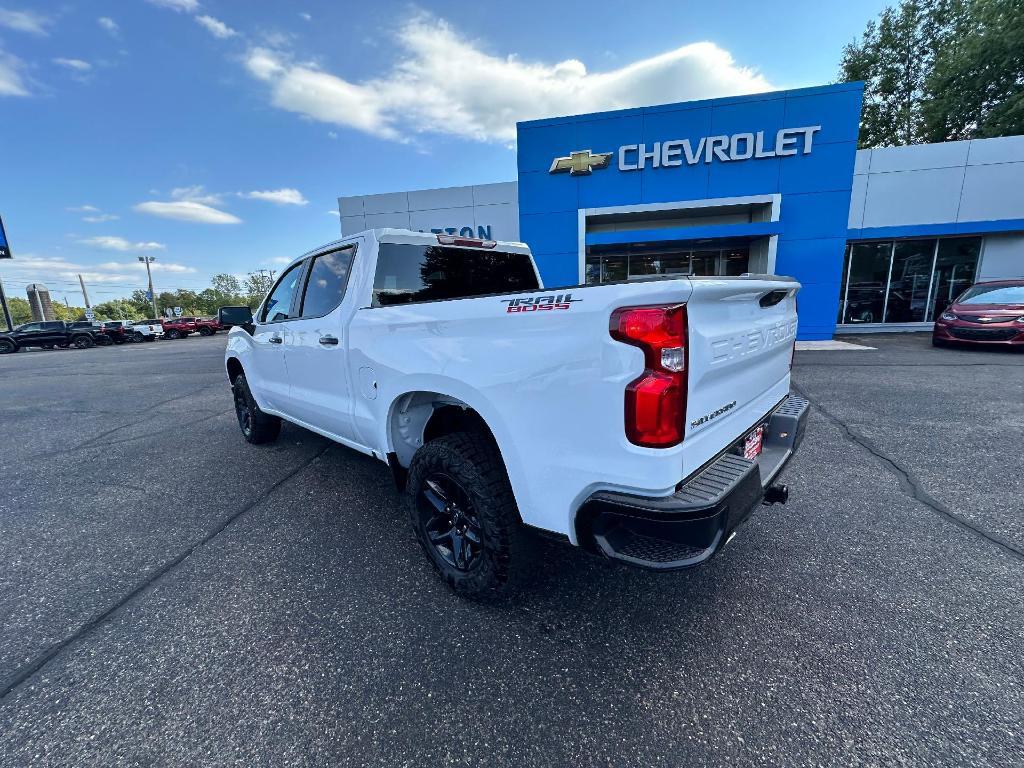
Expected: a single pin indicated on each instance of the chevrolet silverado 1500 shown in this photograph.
(641, 420)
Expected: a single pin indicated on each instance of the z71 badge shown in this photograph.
(540, 303)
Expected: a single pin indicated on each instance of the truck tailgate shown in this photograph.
(741, 335)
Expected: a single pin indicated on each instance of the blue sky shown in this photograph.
(217, 135)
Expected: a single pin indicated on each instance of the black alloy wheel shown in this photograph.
(7, 346)
(243, 411)
(204, 331)
(450, 521)
(82, 342)
(174, 333)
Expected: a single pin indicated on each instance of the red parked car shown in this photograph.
(207, 326)
(179, 327)
(986, 313)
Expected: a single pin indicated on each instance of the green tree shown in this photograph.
(976, 89)
(257, 286)
(119, 309)
(227, 285)
(936, 70)
(21, 312)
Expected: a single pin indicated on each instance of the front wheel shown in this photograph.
(257, 426)
(137, 337)
(7, 347)
(465, 517)
(174, 333)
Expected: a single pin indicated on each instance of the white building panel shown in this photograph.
(913, 197)
(993, 192)
(352, 224)
(1009, 149)
(389, 202)
(434, 199)
(1002, 258)
(858, 196)
(398, 220)
(501, 193)
(919, 157)
(863, 162)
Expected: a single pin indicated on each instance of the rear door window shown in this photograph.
(328, 278)
(408, 273)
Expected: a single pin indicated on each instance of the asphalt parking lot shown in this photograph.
(172, 595)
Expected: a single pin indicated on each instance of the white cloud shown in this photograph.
(83, 209)
(334, 213)
(109, 25)
(155, 266)
(443, 83)
(76, 64)
(196, 194)
(25, 21)
(189, 6)
(11, 81)
(284, 196)
(305, 16)
(187, 210)
(114, 243)
(32, 268)
(215, 27)
(100, 218)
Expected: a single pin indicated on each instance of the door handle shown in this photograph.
(276, 340)
(329, 341)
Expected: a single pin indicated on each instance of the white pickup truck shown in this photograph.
(641, 420)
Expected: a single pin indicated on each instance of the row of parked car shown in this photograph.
(84, 334)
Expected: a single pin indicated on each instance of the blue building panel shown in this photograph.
(799, 144)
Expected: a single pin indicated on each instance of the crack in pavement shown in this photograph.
(911, 486)
(23, 673)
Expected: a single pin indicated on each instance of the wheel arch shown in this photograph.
(234, 368)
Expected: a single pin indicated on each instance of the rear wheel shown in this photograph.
(257, 427)
(137, 337)
(83, 341)
(173, 333)
(7, 347)
(204, 331)
(465, 517)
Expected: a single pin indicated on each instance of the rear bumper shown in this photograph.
(685, 529)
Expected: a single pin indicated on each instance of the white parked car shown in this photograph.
(643, 421)
(147, 330)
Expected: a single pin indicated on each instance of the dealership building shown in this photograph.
(880, 239)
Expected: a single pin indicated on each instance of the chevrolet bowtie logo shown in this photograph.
(580, 163)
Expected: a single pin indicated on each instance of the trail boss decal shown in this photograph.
(540, 303)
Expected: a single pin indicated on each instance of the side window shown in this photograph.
(325, 287)
(279, 302)
(53, 326)
(31, 327)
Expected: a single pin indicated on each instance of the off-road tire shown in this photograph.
(257, 427)
(507, 551)
(83, 341)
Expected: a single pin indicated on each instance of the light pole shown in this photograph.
(152, 294)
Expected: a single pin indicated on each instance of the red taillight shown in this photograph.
(655, 402)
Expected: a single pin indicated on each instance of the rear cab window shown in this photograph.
(409, 273)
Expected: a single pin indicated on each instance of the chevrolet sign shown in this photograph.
(669, 154)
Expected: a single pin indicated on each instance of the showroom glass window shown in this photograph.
(325, 286)
(279, 302)
(609, 264)
(905, 281)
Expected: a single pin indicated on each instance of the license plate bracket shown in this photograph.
(753, 443)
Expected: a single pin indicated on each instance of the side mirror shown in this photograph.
(240, 316)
